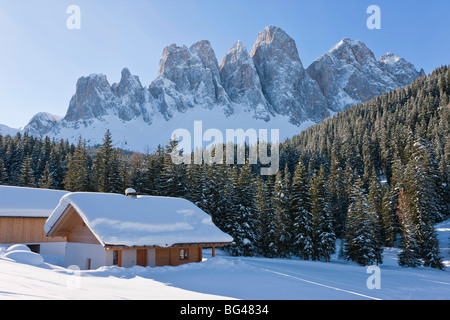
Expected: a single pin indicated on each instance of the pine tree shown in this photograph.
(388, 217)
(232, 222)
(375, 202)
(361, 241)
(422, 200)
(117, 173)
(13, 159)
(301, 212)
(245, 189)
(26, 178)
(57, 163)
(173, 175)
(281, 207)
(136, 164)
(78, 176)
(266, 240)
(409, 256)
(107, 167)
(323, 234)
(3, 173)
(196, 182)
(338, 205)
(224, 189)
(46, 181)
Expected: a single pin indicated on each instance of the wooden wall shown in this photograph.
(80, 233)
(24, 230)
(171, 256)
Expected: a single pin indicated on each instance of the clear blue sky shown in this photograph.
(41, 59)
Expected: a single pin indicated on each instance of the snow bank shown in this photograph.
(22, 254)
(16, 247)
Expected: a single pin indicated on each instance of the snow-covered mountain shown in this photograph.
(267, 88)
(5, 130)
(349, 74)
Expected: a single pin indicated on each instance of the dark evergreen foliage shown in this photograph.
(377, 174)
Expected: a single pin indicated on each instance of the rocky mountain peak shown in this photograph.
(275, 42)
(129, 84)
(287, 87)
(349, 74)
(352, 51)
(93, 96)
(242, 84)
(268, 83)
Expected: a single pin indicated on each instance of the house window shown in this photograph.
(115, 257)
(184, 254)
(34, 247)
(88, 264)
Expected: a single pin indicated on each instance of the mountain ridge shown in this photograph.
(267, 87)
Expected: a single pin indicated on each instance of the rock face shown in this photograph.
(242, 83)
(349, 74)
(268, 87)
(129, 95)
(401, 71)
(188, 77)
(285, 83)
(41, 122)
(93, 98)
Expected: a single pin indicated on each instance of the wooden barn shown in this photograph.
(127, 230)
(23, 213)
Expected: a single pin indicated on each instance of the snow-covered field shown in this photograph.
(225, 277)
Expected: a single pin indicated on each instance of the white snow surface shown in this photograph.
(143, 221)
(226, 277)
(28, 202)
(137, 135)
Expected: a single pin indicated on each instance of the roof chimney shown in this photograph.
(130, 192)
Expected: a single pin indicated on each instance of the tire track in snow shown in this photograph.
(315, 283)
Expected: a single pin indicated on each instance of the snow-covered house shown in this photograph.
(23, 213)
(112, 229)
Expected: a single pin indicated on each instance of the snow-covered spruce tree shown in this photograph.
(3, 173)
(230, 221)
(360, 234)
(421, 196)
(338, 196)
(281, 208)
(57, 163)
(246, 213)
(46, 181)
(195, 184)
(375, 202)
(388, 216)
(267, 230)
(211, 187)
(78, 176)
(26, 178)
(323, 234)
(172, 175)
(409, 256)
(301, 213)
(107, 167)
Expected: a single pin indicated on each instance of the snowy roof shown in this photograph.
(143, 221)
(28, 202)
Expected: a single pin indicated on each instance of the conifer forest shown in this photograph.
(373, 176)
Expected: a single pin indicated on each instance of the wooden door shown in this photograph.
(141, 257)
